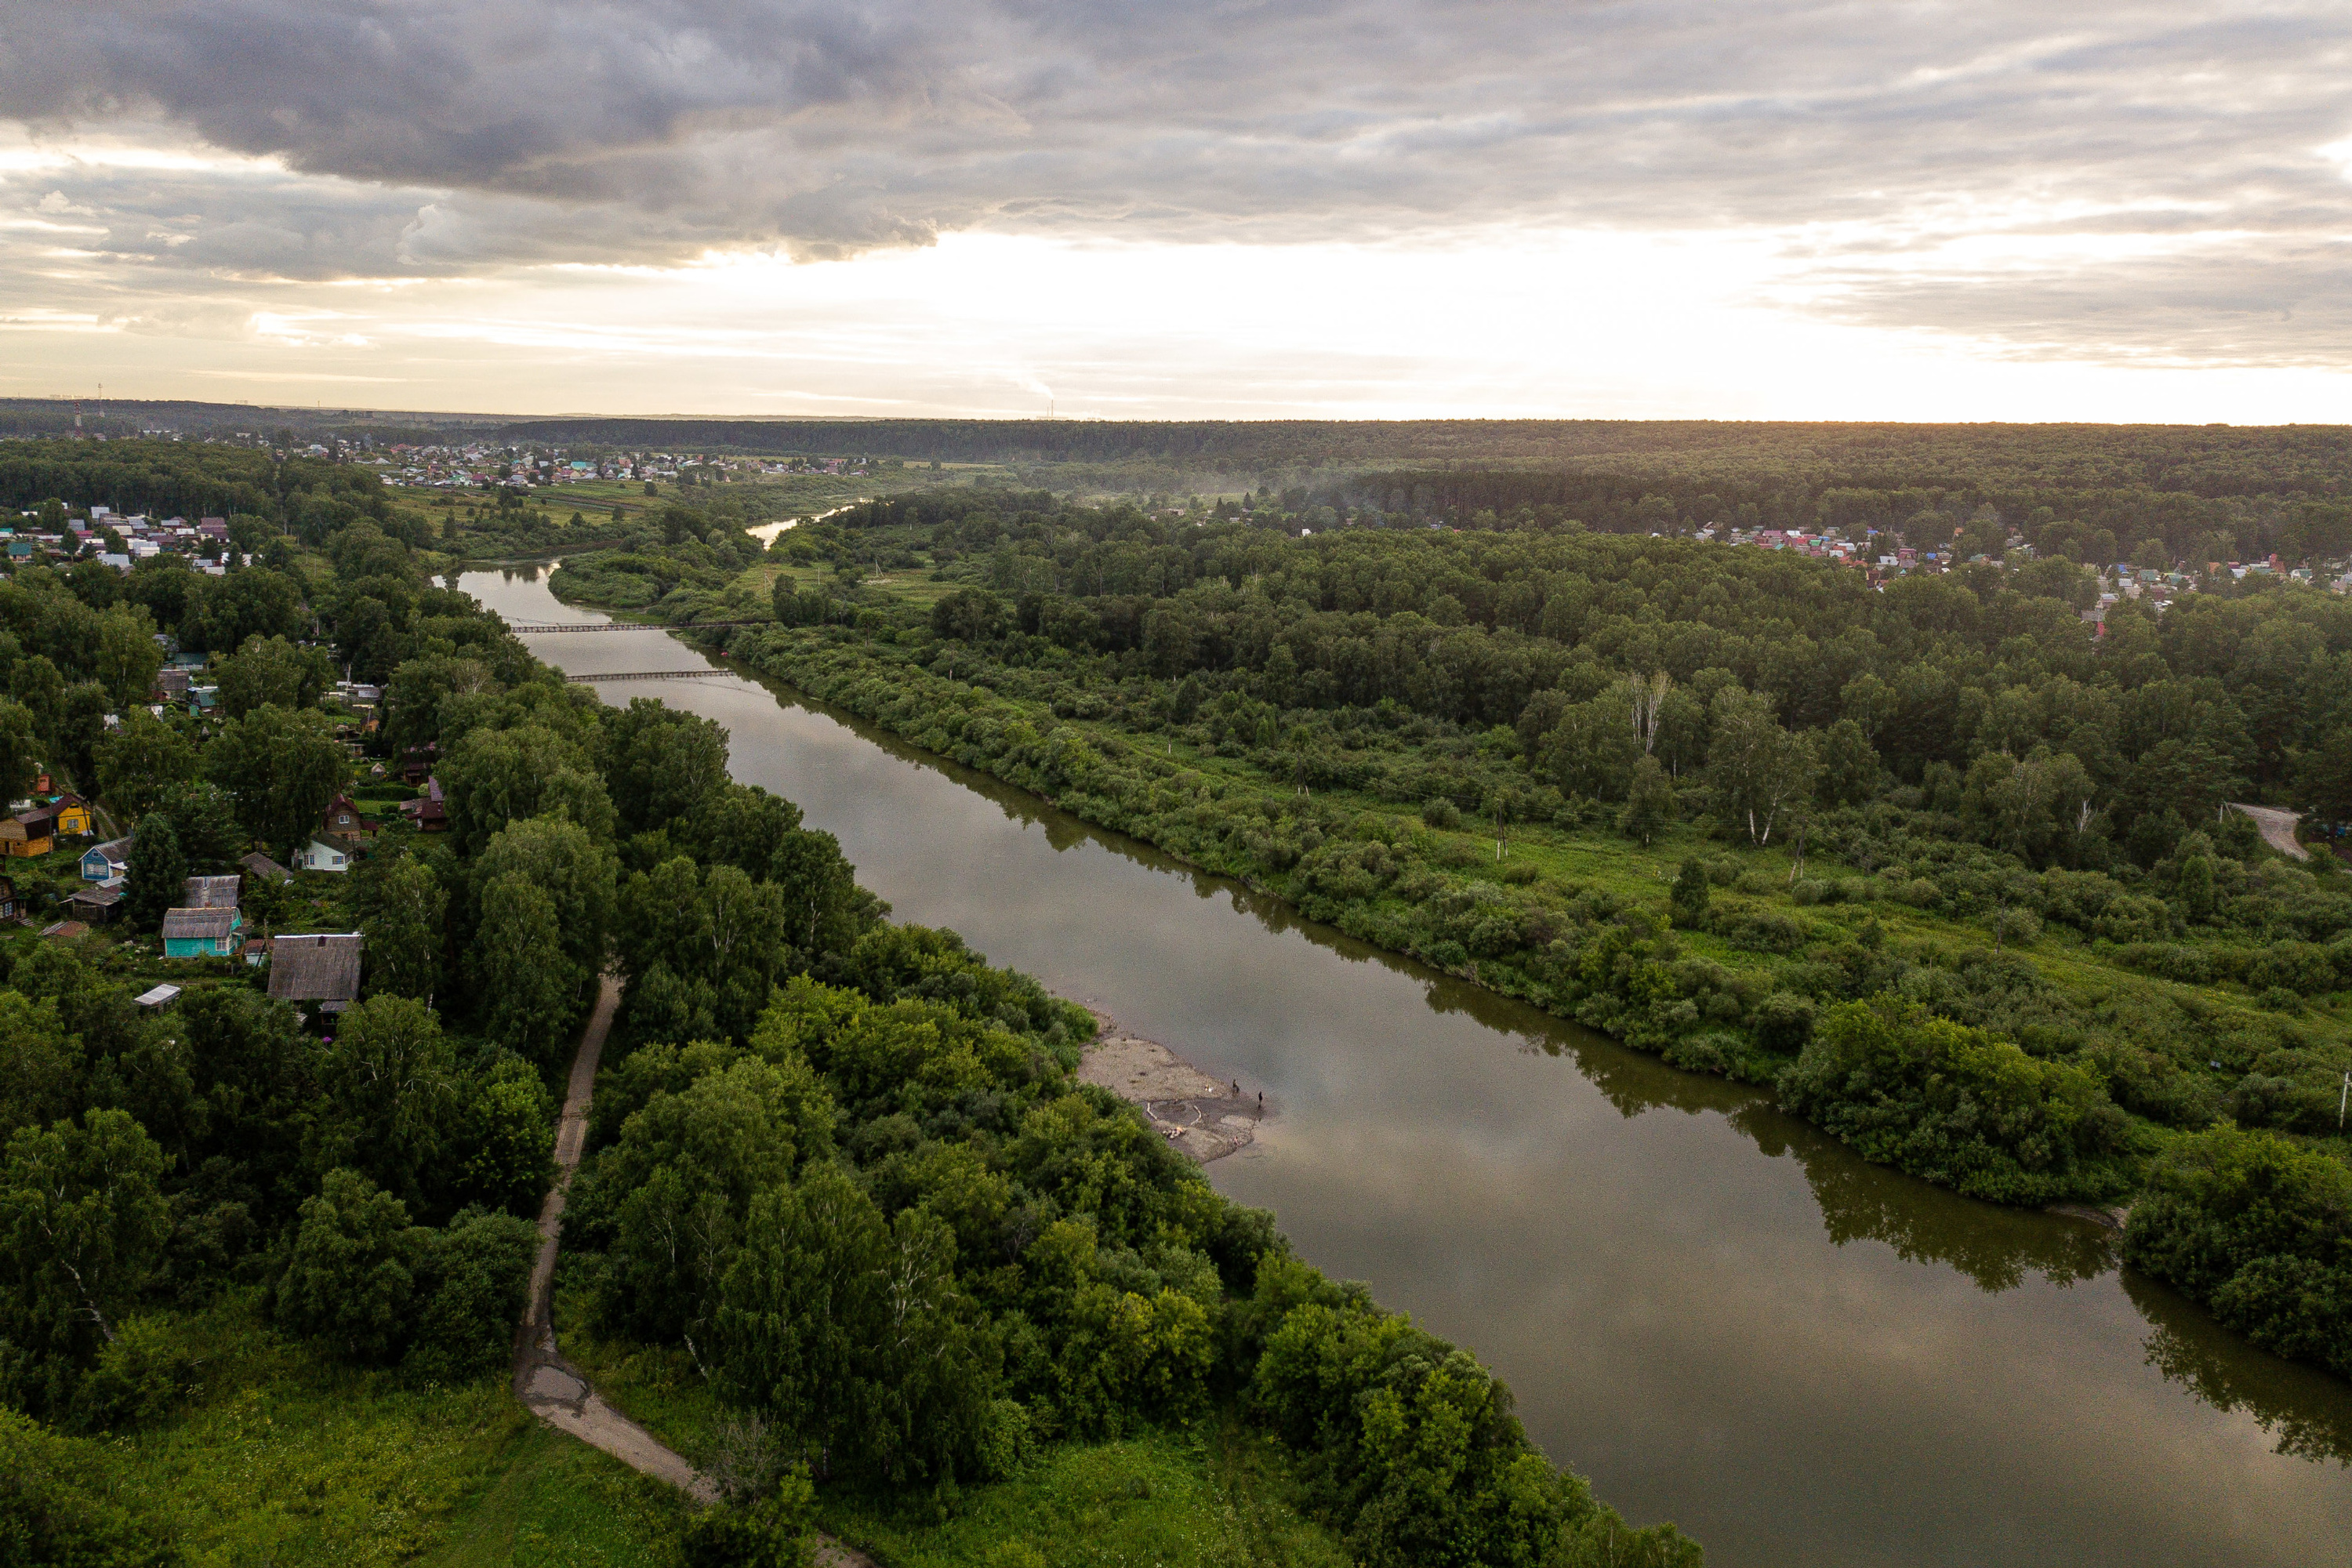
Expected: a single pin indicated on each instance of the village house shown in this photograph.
(324, 969)
(106, 862)
(30, 833)
(209, 892)
(342, 824)
(428, 811)
(73, 815)
(97, 906)
(7, 899)
(200, 933)
(319, 856)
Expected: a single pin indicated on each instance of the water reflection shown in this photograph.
(1720, 1315)
(2300, 1409)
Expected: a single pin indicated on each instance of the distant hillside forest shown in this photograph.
(2113, 492)
(2151, 494)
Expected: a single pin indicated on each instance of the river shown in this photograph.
(1718, 1315)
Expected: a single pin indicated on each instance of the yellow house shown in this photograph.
(30, 833)
(73, 815)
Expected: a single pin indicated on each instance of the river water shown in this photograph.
(1721, 1317)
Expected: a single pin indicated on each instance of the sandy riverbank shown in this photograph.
(1204, 1118)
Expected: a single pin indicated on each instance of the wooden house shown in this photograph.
(74, 816)
(30, 833)
(200, 934)
(316, 856)
(106, 862)
(95, 906)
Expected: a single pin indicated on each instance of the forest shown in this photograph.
(883, 1254)
(1952, 870)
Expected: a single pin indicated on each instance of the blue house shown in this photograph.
(200, 933)
(105, 862)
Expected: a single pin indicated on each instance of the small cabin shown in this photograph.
(106, 862)
(95, 906)
(30, 833)
(317, 857)
(73, 815)
(263, 868)
(200, 933)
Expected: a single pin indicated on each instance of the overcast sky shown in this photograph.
(1345, 207)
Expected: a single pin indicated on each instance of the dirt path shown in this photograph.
(2278, 829)
(552, 1388)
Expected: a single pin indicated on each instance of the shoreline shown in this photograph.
(1206, 1118)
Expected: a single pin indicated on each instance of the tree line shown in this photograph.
(1957, 748)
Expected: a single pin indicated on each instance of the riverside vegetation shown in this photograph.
(1950, 871)
(893, 1266)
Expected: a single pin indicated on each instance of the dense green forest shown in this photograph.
(1950, 868)
(838, 1167)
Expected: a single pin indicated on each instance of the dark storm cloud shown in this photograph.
(497, 131)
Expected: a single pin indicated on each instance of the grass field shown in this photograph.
(1212, 1497)
(273, 1455)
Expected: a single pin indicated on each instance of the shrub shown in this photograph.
(1784, 1023)
(1955, 1105)
(1440, 811)
(2015, 928)
(2261, 1231)
(57, 1507)
(1690, 896)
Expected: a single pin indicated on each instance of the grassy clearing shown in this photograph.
(555, 1502)
(1215, 1496)
(276, 1456)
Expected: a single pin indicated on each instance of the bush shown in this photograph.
(378, 1290)
(1411, 1446)
(775, 1532)
(1784, 1023)
(1689, 901)
(1955, 1105)
(2260, 1230)
(1440, 811)
(143, 1375)
(481, 1272)
(55, 1506)
(2015, 928)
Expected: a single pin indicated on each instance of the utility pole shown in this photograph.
(2340, 1100)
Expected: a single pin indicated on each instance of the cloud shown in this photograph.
(365, 138)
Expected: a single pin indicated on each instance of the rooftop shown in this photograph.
(323, 968)
(200, 925)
